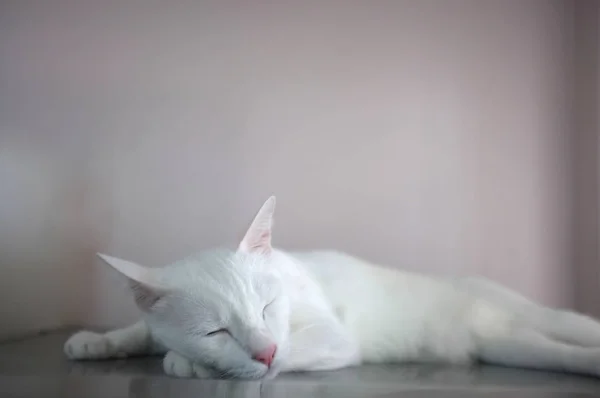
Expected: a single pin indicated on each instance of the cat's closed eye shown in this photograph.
(216, 332)
(265, 308)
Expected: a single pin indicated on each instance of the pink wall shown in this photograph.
(585, 139)
(429, 135)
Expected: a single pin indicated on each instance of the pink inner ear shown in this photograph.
(145, 297)
(263, 242)
(258, 236)
(260, 243)
(265, 237)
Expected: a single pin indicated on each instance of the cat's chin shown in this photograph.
(268, 374)
(271, 373)
(255, 372)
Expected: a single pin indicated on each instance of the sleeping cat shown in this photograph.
(256, 311)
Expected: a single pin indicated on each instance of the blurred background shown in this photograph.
(437, 136)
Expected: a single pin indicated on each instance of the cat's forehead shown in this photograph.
(224, 269)
(221, 286)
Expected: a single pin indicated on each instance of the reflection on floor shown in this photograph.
(36, 367)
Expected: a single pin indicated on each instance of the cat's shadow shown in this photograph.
(329, 384)
(153, 387)
(140, 387)
(375, 381)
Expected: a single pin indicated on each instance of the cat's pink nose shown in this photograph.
(266, 356)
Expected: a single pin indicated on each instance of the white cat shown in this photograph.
(256, 311)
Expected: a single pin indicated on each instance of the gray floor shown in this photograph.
(36, 367)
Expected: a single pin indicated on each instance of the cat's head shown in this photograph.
(224, 309)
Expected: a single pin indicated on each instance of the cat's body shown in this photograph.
(397, 316)
(257, 311)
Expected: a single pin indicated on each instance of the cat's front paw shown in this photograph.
(177, 366)
(89, 345)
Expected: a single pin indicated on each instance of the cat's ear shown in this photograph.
(258, 236)
(143, 281)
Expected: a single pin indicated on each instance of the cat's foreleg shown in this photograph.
(133, 340)
(528, 348)
(320, 343)
(177, 366)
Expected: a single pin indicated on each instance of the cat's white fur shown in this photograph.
(212, 313)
